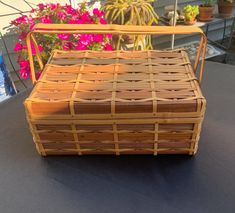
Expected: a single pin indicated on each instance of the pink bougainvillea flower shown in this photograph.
(21, 20)
(108, 47)
(81, 22)
(33, 10)
(63, 36)
(61, 15)
(23, 35)
(41, 6)
(40, 49)
(76, 35)
(103, 21)
(98, 38)
(18, 47)
(31, 26)
(30, 19)
(109, 36)
(81, 47)
(69, 9)
(54, 6)
(56, 13)
(24, 64)
(46, 19)
(73, 21)
(85, 17)
(98, 12)
(86, 39)
(24, 73)
(67, 45)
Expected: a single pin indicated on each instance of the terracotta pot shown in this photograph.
(205, 13)
(191, 22)
(127, 41)
(225, 9)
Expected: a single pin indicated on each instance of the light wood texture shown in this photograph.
(116, 102)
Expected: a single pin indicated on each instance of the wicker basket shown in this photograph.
(116, 102)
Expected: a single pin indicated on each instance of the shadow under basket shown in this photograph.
(116, 102)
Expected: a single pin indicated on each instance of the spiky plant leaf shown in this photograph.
(131, 12)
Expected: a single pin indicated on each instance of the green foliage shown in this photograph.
(131, 12)
(208, 3)
(190, 12)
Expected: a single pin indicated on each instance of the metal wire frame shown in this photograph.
(112, 29)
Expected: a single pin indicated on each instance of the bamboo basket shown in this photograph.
(116, 102)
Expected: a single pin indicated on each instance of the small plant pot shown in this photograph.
(225, 9)
(206, 13)
(190, 22)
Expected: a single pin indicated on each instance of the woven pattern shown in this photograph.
(119, 102)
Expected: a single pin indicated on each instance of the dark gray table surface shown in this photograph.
(204, 183)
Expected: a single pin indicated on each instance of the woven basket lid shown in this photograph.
(116, 82)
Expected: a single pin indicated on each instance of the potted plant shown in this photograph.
(206, 10)
(130, 12)
(225, 7)
(190, 13)
(57, 14)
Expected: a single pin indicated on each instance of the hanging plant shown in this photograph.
(131, 12)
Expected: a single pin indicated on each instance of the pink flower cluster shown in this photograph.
(24, 68)
(56, 13)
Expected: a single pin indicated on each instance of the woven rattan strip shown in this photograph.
(117, 102)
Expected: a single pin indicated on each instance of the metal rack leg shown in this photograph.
(231, 34)
(224, 31)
